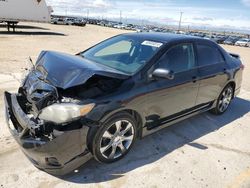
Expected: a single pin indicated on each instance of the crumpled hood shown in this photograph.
(65, 70)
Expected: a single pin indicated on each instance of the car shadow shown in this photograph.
(157, 145)
(32, 33)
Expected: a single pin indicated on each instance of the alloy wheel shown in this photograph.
(225, 99)
(117, 139)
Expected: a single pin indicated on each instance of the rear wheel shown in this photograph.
(224, 100)
(115, 138)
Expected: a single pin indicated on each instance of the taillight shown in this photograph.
(242, 66)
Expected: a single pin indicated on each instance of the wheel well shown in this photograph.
(233, 85)
(138, 119)
(136, 116)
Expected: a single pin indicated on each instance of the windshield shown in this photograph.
(124, 53)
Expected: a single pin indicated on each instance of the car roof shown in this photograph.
(163, 37)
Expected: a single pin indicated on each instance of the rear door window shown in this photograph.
(208, 55)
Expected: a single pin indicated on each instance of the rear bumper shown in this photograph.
(59, 155)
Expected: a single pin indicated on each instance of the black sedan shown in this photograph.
(98, 102)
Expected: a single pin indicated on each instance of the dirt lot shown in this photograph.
(204, 151)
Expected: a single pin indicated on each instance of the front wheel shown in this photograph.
(115, 138)
(224, 100)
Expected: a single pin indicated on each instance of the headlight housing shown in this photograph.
(64, 112)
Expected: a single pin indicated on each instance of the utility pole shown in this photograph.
(87, 14)
(180, 21)
(120, 16)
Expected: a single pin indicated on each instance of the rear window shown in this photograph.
(208, 55)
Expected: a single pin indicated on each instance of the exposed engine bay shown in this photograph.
(53, 99)
(95, 87)
(36, 94)
(40, 94)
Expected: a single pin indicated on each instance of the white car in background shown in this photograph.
(243, 42)
(62, 21)
(120, 26)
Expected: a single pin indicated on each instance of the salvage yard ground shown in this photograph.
(204, 151)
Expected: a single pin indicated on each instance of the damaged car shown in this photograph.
(98, 102)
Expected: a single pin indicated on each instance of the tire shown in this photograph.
(110, 144)
(224, 100)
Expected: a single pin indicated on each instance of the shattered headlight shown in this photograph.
(64, 112)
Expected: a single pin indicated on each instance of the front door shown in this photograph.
(169, 98)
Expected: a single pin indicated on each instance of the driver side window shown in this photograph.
(178, 58)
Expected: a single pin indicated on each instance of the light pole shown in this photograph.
(180, 21)
(120, 16)
(87, 14)
(66, 11)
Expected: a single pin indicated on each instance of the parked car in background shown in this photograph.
(62, 21)
(129, 27)
(120, 26)
(214, 38)
(221, 39)
(111, 24)
(209, 37)
(102, 23)
(54, 20)
(93, 21)
(197, 34)
(231, 40)
(243, 42)
(79, 22)
(99, 101)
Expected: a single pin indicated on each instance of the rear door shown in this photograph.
(212, 72)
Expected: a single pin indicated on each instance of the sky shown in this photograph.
(205, 13)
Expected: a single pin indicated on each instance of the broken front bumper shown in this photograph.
(59, 155)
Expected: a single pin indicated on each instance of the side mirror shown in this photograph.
(163, 73)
